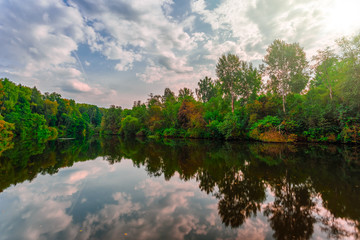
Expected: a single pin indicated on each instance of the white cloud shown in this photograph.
(155, 73)
(252, 25)
(40, 40)
(140, 25)
(36, 36)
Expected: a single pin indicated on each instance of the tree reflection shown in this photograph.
(291, 215)
(310, 184)
(240, 197)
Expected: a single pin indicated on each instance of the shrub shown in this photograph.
(269, 129)
(170, 132)
(233, 125)
(6, 135)
(350, 134)
(130, 126)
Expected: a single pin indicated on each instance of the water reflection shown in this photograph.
(189, 189)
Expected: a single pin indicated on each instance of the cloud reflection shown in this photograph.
(65, 206)
(95, 200)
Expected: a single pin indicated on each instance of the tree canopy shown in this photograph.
(281, 102)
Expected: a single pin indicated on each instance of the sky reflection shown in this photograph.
(179, 192)
(95, 200)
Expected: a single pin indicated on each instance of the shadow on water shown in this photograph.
(308, 184)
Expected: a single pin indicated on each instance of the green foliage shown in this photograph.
(238, 78)
(286, 66)
(10, 95)
(235, 106)
(213, 130)
(190, 115)
(350, 134)
(28, 125)
(233, 126)
(111, 121)
(266, 123)
(268, 129)
(41, 117)
(130, 126)
(263, 106)
(186, 93)
(350, 83)
(206, 89)
(171, 132)
(6, 135)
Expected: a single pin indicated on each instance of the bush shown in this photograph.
(269, 129)
(350, 134)
(6, 135)
(170, 132)
(233, 125)
(213, 130)
(266, 124)
(130, 126)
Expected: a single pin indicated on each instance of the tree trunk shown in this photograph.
(283, 98)
(330, 89)
(232, 104)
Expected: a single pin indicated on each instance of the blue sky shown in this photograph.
(116, 52)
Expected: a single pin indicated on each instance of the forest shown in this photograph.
(287, 98)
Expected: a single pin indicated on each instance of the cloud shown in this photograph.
(63, 206)
(159, 41)
(36, 36)
(77, 176)
(133, 31)
(188, 77)
(252, 25)
(170, 62)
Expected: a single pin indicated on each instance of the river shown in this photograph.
(179, 189)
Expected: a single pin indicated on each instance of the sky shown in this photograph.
(117, 52)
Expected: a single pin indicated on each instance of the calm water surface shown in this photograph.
(133, 189)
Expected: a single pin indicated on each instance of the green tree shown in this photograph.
(227, 69)
(130, 126)
(10, 96)
(2, 95)
(351, 57)
(185, 93)
(169, 96)
(171, 108)
(111, 121)
(238, 78)
(287, 68)
(6, 135)
(326, 70)
(248, 81)
(206, 89)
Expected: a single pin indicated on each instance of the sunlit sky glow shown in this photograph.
(115, 52)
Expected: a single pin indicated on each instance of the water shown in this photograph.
(140, 189)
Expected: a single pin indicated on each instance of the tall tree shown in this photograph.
(287, 68)
(186, 93)
(238, 78)
(248, 81)
(206, 89)
(226, 70)
(168, 96)
(351, 57)
(2, 94)
(326, 71)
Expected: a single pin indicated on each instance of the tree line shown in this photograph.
(30, 115)
(285, 99)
